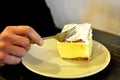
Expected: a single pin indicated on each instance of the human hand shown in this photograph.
(15, 42)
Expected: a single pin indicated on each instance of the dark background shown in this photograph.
(34, 13)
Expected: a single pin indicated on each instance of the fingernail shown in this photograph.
(41, 42)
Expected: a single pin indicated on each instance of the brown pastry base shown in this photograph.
(77, 58)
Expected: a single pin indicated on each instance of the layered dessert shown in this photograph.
(77, 43)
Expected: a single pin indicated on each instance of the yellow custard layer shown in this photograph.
(75, 50)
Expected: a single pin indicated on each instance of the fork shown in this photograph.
(65, 35)
(61, 36)
(70, 32)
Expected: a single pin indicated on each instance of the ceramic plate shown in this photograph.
(45, 60)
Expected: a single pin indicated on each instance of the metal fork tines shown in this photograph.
(70, 32)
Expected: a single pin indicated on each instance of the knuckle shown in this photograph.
(3, 45)
(5, 37)
(27, 29)
(8, 28)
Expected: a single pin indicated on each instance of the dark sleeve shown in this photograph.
(33, 13)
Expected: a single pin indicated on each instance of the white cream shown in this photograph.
(83, 31)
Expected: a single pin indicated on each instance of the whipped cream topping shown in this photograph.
(83, 31)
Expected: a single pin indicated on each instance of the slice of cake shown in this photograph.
(78, 45)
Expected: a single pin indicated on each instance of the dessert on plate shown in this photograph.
(77, 42)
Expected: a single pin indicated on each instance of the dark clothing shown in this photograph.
(33, 13)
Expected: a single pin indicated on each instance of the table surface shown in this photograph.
(111, 72)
